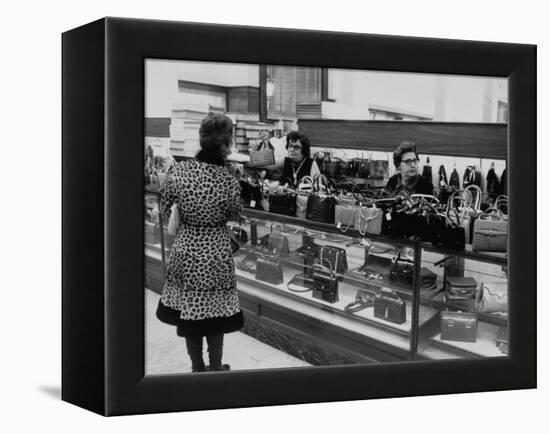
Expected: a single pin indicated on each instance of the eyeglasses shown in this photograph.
(411, 161)
(296, 147)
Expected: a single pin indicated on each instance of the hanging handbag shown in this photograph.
(262, 155)
(390, 307)
(269, 270)
(493, 298)
(325, 283)
(490, 233)
(305, 188)
(174, 221)
(369, 220)
(458, 326)
(320, 207)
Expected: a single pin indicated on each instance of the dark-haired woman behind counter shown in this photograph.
(407, 178)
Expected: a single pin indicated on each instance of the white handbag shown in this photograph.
(174, 221)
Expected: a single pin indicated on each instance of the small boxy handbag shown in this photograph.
(458, 326)
(390, 307)
(269, 270)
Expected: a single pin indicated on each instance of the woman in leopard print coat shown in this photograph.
(199, 294)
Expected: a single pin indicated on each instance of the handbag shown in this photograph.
(369, 220)
(277, 244)
(363, 299)
(283, 203)
(332, 167)
(269, 270)
(320, 208)
(460, 288)
(238, 237)
(262, 155)
(337, 258)
(174, 221)
(247, 264)
(325, 283)
(493, 298)
(458, 326)
(305, 187)
(490, 233)
(390, 307)
(402, 270)
(376, 266)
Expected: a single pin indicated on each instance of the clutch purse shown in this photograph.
(325, 283)
(390, 307)
(493, 298)
(269, 270)
(458, 326)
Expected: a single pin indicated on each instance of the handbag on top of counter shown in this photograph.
(303, 191)
(458, 326)
(491, 229)
(320, 207)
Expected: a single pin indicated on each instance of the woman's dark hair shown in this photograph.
(294, 136)
(215, 135)
(403, 148)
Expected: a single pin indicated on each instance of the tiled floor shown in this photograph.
(166, 354)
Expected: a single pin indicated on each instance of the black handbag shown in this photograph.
(390, 307)
(283, 203)
(336, 256)
(320, 207)
(402, 270)
(458, 326)
(376, 266)
(325, 283)
(251, 194)
(269, 270)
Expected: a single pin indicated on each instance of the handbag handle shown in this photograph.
(326, 183)
(305, 180)
(477, 196)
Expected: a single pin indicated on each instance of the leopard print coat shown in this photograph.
(199, 295)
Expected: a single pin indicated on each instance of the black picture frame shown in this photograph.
(102, 296)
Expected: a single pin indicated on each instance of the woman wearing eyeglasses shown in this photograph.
(407, 177)
(298, 163)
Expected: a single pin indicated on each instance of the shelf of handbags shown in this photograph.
(472, 298)
(459, 224)
(358, 280)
